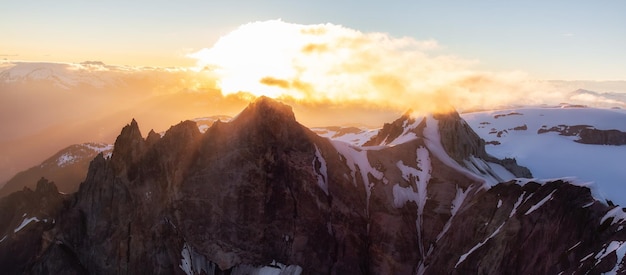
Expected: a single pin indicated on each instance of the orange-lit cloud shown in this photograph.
(312, 48)
(331, 63)
(270, 81)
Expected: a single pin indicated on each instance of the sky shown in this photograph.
(564, 40)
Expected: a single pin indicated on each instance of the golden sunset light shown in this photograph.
(312, 137)
(330, 63)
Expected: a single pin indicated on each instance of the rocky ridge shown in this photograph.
(263, 191)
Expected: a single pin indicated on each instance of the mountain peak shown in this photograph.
(129, 144)
(130, 133)
(265, 104)
(267, 109)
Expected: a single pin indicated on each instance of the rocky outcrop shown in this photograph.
(602, 137)
(563, 130)
(128, 149)
(588, 135)
(263, 191)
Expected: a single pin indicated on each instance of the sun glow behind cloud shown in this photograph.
(328, 63)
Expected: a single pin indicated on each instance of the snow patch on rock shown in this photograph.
(458, 200)
(25, 222)
(620, 249)
(616, 213)
(418, 179)
(477, 246)
(356, 158)
(322, 172)
(540, 203)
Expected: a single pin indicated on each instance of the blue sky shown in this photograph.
(547, 39)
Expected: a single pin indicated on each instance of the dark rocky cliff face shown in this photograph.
(461, 142)
(530, 229)
(25, 220)
(263, 189)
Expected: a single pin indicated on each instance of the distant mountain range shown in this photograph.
(60, 75)
(262, 193)
(67, 168)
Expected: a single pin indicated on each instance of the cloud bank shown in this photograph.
(112, 78)
(326, 63)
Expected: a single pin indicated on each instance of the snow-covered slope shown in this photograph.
(544, 140)
(408, 128)
(352, 135)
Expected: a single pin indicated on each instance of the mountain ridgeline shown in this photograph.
(67, 168)
(262, 193)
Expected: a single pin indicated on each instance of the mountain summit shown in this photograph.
(267, 109)
(263, 193)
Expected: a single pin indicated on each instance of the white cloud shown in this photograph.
(330, 63)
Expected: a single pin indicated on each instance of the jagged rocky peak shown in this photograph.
(130, 132)
(152, 138)
(129, 145)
